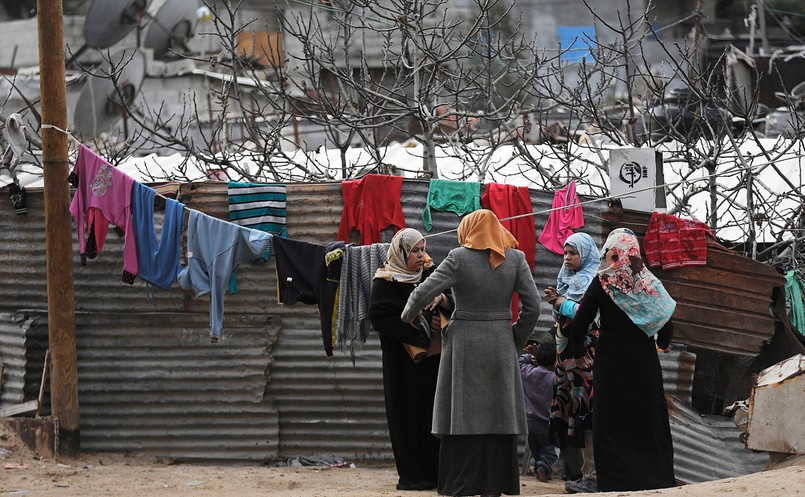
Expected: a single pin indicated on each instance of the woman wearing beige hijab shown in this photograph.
(479, 409)
(408, 385)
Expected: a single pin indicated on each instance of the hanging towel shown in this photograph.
(673, 242)
(794, 287)
(357, 270)
(371, 204)
(158, 260)
(102, 196)
(459, 197)
(215, 249)
(510, 201)
(566, 217)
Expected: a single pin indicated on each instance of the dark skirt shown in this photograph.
(478, 465)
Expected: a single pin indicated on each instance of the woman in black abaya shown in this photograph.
(409, 386)
(631, 431)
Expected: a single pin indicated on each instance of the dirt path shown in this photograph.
(119, 475)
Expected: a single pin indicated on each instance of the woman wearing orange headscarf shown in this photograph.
(479, 409)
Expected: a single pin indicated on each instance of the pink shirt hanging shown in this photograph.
(566, 217)
(102, 197)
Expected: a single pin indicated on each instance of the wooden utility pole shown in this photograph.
(58, 229)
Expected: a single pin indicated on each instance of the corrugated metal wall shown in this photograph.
(708, 447)
(150, 380)
(144, 363)
(12, 357)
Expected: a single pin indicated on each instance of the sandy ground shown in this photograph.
(22, 472)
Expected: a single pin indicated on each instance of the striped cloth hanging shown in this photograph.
(258, 206)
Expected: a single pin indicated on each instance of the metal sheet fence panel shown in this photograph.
(13, 327)
(708, 447)
(133, 351)
(723, 306)
(154, 382)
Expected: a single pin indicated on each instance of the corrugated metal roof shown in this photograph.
(708, 447)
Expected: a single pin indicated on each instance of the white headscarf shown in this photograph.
(396, 266)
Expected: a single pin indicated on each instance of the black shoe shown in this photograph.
(422, 485)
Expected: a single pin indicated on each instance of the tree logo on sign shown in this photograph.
(632, 172)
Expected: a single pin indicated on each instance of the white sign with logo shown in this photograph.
(633, 172)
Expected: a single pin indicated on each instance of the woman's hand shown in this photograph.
(437, 301)
(551, 295)
(558, 301)
(435, 323)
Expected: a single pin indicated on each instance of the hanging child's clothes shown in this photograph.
(300, 270)
(371, 204)
(511, 201)
(158, 260)
(673, 242)
(460, 197)
(102, 196)
(357, 271)
(566, 215)
(215, 249)
(333, 259)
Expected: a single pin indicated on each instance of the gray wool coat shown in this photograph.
(479, 389)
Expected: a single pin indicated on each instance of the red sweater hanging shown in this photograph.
(371, 204)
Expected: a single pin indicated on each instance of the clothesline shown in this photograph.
(621, 195)
(543, 211)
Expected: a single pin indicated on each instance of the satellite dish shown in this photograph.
(109, 21)
(172, 27)
(100, 106)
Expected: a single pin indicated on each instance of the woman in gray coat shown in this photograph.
(479, 410)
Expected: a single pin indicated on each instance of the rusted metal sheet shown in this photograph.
(776, 407)
(724, 306)
(708, 447)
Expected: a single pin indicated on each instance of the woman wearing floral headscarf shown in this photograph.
(408, 386)
(479, 409)
(631, 432)
(571, 410)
